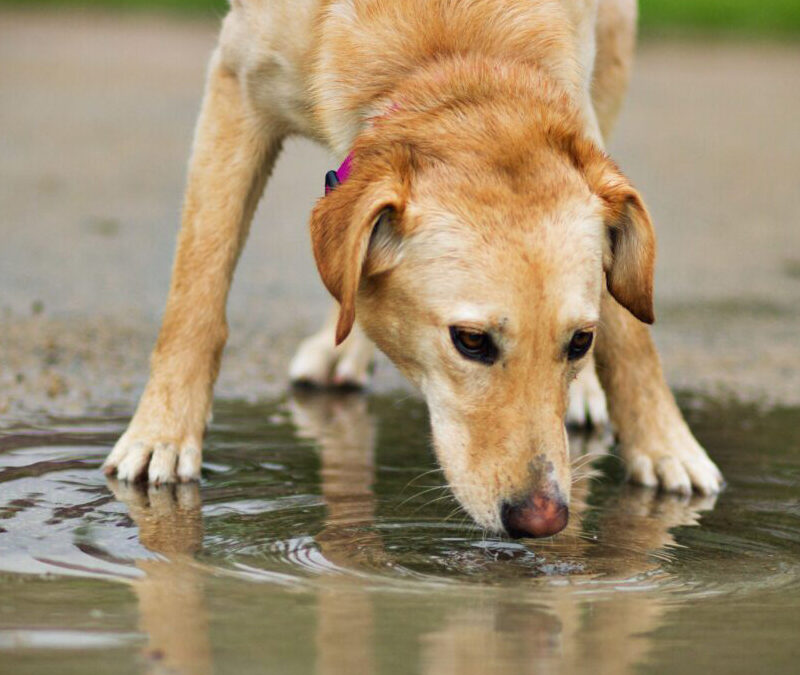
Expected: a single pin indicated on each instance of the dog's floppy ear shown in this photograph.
(342, 224)
(630, 263)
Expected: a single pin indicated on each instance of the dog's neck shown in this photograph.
(484, 101)
(378, 59)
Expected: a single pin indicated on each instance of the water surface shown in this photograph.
(321, 540)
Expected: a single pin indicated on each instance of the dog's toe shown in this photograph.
(162, 464)
(317, 362)
(705, 477)
(189, 462)
(157, 462)
(673, 476)
(352, 369)
(641, 471)
(685, 469)
(116, 455)
(587, 401)
(133, 466)
(313, 362)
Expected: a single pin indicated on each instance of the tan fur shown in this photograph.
(481, 197)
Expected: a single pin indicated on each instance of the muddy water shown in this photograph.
(321, 540)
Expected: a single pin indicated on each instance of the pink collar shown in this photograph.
(334, 178)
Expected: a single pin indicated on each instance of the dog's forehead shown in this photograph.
(565, 234)
(491, 272)
(482, 194)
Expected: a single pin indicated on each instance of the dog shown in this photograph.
(477, 231)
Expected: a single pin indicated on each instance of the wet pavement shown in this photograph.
(320, 538)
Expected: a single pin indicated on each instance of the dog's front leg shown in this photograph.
(319, 362)
(655, 441)
(234, 150)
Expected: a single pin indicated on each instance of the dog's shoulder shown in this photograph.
(269, 44)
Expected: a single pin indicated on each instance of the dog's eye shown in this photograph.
(579, 345)
(474, 345)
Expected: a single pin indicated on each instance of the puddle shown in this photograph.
(321, 540)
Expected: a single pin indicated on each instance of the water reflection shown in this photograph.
(552, 624)
(171, 597)
(563, 628)
(345, 434)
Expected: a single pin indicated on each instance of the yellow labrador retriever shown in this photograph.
(477, 231)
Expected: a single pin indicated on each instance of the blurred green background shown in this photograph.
(739, 18)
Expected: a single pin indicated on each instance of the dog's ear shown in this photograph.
(630, 260)
(355, 219)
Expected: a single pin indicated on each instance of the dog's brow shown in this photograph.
(476, 315)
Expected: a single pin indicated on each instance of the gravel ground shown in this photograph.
(97, 114)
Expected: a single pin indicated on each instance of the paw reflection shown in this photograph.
(345, 431)
(169, 517)
(171, 594)
(617, 532)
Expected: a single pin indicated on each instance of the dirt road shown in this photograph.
(96, 117)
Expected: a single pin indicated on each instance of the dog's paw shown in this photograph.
(139, 457)
(159, 446)
(318, 362)
(587, 401)
(676, 464)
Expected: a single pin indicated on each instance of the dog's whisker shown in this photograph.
(586, 537)
(419, 494)
(590, 455)
(588, 458)
(432, 501)
(422, 475)
(458, 509)
(586, 474)
(447, 486)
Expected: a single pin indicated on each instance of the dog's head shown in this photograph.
(476, 262)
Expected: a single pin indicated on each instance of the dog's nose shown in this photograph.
(538, 515)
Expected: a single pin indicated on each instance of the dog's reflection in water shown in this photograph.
(562, 631)
(345, 433)
(172, 605)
